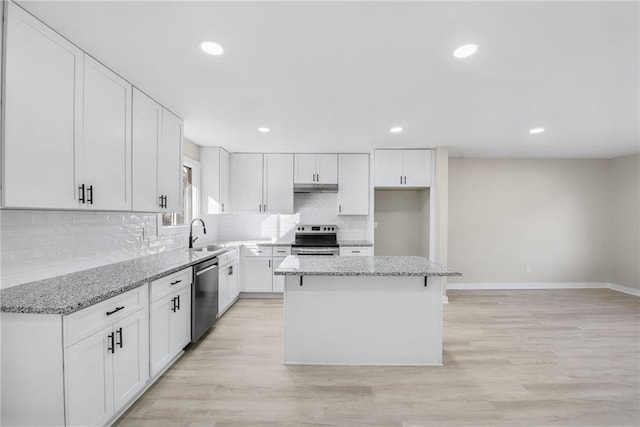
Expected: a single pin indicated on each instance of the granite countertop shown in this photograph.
(362, 266)
(354, 243)
(75, 291)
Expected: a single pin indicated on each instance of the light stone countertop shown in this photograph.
(75, 291)
(362, 266)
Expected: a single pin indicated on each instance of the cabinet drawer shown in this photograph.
(281, 251)
(167, 284)
(228, 257)
(85, 322)
(254, 250)
(356, 251)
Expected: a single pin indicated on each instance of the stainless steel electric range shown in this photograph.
(316, 239)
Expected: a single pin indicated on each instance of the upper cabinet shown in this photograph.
(215, 180)
(157, 157)
(170, 162)
(261, 183)
(68, 130)
(43, 114)
(316, 169)
(353, 184)
(104, 155)
(403, 168)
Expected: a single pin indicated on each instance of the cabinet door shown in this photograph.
(417, 168)
(305, 168)
(326, 168)
(353, 185)
(180, 328)
(223, 286)
(388, 168)
(233, 281)
(278, 281)
(105, 153)
(131, 357)
(278, 183)
(170, 161)
(257, 274)
(88, 376)
(224, 181)
(160, 351)
(43, 115)
(246, 182)
(146, 130)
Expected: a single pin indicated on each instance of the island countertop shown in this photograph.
(362, 266)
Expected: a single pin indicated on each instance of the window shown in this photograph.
(190, 207)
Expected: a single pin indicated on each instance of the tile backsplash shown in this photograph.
(309, 208)
(38, 244)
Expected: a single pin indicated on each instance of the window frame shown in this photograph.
(195, 196)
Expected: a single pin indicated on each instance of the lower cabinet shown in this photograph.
(278, 281)
(259, 263)
(106, 360)
(228, 285)
(170, 328)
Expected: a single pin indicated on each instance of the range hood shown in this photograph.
(315, 188)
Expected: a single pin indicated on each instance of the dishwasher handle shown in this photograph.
(206, 269)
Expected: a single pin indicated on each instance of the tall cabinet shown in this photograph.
(215, 180)
(353, 184)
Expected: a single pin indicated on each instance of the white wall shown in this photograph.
(549, 214)
(623, 216)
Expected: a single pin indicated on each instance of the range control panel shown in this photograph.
(316, 228)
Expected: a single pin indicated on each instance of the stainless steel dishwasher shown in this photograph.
(204, 297)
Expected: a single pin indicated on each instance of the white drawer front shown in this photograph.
(356, 251)
(281, 250)
(233, 255)
(254, 250)
(167, 284)
(85, 322)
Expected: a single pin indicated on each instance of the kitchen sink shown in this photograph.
(208, 248)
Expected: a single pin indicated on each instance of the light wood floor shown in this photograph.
(558, 357)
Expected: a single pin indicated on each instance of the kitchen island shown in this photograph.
(377, 310)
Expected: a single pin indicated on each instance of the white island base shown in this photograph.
(363, 320)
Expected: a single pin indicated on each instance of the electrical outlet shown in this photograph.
(528, 269)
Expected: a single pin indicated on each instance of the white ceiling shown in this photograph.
(335, 76)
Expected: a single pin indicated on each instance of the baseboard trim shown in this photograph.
(543, 285)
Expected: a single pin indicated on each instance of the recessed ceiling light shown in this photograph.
(465, 51)
(211, 48)
(536, 130)
(264, 130)
(396, 129)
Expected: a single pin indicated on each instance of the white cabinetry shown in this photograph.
(403, 168)
(228, 287)
(261, 183)
(170, 327)
(104, 156)
(316, 169)
(43, 114)
(215, 180)
(356, 251)
(259, 262)
(353, 184)
(157, 156)
(106, 357)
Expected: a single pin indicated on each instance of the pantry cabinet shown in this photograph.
(316, 169)
(353, 184)
(157, 156)
(104, 154)
(43, 114)
(403, 168)
(215, 180)
(261, 183)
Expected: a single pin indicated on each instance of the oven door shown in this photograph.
(315, 251)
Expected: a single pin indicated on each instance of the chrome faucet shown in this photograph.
(191, 239)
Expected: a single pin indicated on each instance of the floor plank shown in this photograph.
(530, 357)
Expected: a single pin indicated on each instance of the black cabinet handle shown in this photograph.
(173, 304)
(112, 347)
(161, 201)
(269, 263)
(339, 208)
(222, 207)
(230, 271)
(176, 282)
(90, 194)
(119, 332)
(165, 202)
(109, 313)
(81, 194)
(355, 252)
(178, 302)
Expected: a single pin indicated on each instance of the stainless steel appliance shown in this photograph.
(204, 297)
(312, 239)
